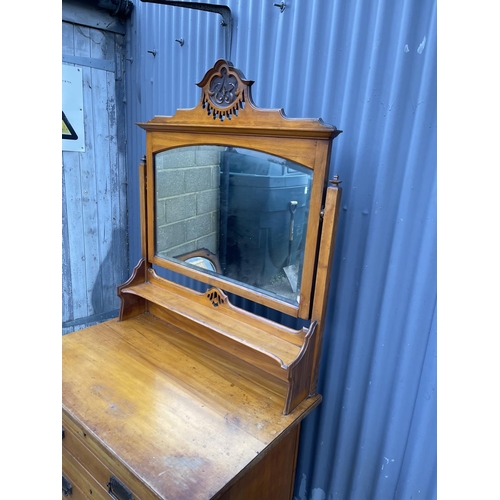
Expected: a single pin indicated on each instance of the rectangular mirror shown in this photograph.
(235, 212)
(234, 194)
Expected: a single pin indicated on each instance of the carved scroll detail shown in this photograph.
(225, 91)
(216, 297)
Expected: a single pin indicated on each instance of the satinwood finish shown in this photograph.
(185, 396)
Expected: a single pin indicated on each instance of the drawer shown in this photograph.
(80, 477)
(71, 490)
(74, 452)
(95, 468)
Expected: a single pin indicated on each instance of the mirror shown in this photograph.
(234, 212)
(228, 196)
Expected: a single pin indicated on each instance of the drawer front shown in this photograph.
(80, 477)
(71, 490)
(98, 464)
(75, 449)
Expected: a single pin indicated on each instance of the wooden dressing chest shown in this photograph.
(186, 396)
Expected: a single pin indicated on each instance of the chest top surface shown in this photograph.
(185, 419)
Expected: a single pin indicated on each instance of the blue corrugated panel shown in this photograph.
(370, 69)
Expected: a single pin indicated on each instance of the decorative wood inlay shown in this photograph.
(216, 297)
(225, 90)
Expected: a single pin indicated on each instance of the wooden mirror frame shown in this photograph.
(230, 118)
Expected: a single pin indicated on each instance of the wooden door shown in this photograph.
(94, 253)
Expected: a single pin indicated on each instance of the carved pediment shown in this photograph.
(224, 90)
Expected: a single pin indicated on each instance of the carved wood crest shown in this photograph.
(224, 91)
(216, 297)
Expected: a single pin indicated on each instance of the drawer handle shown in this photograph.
(118, 490)
(63, 432)
(66, 487)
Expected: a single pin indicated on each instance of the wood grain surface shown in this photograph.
(186, 419)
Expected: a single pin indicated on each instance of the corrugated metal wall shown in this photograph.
(370, 69)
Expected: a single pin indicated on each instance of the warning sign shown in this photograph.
(68, 132)
(72, 109)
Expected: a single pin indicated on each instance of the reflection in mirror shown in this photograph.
(202, 258)
(240, 213)
(201, 262)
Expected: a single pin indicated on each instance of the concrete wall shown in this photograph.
(187, 200)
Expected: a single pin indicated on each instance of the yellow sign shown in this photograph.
(73, 136)
(68, 132)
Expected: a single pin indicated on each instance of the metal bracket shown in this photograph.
(223, 10)
(66, 487)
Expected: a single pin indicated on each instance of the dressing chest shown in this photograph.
(187, 396)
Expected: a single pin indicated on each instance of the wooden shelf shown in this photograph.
(276, 349)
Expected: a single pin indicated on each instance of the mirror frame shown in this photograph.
(227, 116)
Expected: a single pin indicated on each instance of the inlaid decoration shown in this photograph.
(225, 91)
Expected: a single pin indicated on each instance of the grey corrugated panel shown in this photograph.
(370, 69)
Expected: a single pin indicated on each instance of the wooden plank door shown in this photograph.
(94, 206)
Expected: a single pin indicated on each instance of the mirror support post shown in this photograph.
(143, 208)
(325, 260)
